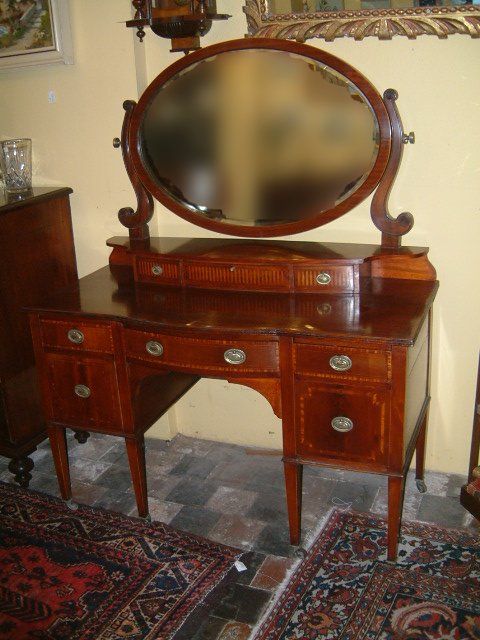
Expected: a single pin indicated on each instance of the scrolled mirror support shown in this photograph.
(136, 221)
(392, 228)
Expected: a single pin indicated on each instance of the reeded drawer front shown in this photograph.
(225, 356)
(79, 336)
(83, 392)
(157, 270)
(342, 423)
(236, 276)
(342, 363)
(327, 279)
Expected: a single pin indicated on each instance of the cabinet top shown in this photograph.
(36, 195)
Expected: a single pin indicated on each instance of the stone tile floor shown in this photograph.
(235, 496)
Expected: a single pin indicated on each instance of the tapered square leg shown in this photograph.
(58, 443)
(395, 504)
(136, 460)
(293, 484)
(420, 457)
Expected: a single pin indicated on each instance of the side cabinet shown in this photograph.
(37, 256)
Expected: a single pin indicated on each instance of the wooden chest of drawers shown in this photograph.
(37, 256)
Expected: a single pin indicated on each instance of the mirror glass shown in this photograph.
(258, 137)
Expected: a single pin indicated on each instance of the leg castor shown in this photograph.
(81, 436)
(21, 468)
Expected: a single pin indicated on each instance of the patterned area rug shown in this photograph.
(345, 589)
(95, 575)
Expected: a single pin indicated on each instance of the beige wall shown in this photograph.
(439, 86)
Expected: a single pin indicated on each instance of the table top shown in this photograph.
(384, 310)
(9, 201)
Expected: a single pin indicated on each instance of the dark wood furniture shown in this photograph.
(470, 493)
(182, 21)
(37, 256)
(335, 336)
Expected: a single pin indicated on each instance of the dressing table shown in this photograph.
(254, 138)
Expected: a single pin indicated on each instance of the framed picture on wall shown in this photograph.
(34, 32)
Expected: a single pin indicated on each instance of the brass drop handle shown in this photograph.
(340, 363)
(75, 336)
(82, 391)
(342, 424)
(323, 278)
(235, 356)
(157, 270)
(154, 348)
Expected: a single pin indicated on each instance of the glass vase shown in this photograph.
(16, 164)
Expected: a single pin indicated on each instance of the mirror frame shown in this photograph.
(146, 187)
(381, 23)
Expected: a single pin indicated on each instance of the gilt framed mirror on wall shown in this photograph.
(329, 19)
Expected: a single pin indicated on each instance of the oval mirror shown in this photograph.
(260, 138)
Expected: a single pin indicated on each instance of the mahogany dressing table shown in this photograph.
(254, 138)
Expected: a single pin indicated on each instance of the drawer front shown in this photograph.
(328, 279)
(157, 270)
(342, 424)
(77, 335)
(233, 276)
(83, 392)
(342, 363)
(196, 355)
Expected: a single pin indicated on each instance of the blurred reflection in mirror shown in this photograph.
(259, 137)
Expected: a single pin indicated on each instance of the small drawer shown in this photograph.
(77, 335)
(342, 363)
(237, 276)
(83, 392)
(196, 355)
(157, 270)
(342, 423)
(327, 279)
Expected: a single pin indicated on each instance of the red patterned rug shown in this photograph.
(95, 575)
(345, 589)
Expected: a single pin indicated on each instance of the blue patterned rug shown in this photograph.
(345, 589)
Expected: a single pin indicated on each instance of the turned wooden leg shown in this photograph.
(420, 457)
(395, 504)
(293, 484)
(58, 443)
(81, 436)
(136, 460)
(21, 467)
